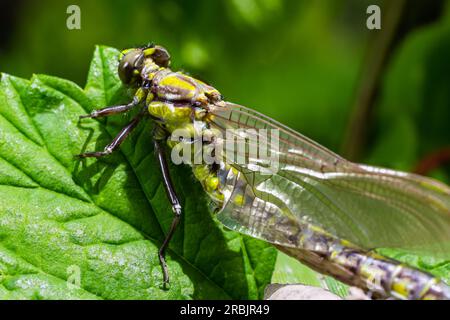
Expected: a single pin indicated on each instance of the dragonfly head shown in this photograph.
(158, 54)
(133, 60)
(130, 64)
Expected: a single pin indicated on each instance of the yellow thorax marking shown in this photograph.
(175, 81)
(168, 112)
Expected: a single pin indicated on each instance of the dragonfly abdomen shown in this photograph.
(380, 276)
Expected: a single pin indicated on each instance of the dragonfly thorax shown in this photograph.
(179, 105)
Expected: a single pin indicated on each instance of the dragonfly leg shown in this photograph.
(140, 95)
(115, 143)
(109, 111)
(176, 206)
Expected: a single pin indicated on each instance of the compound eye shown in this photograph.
(161, 56)
(130, 62)
(125, 72)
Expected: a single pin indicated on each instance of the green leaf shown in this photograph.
(103, 220)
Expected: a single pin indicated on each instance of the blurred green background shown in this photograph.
(374, 96)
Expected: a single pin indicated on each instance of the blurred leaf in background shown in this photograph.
(413, 113)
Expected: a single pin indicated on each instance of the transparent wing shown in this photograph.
(372, 207)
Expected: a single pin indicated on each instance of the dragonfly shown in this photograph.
(327, 212)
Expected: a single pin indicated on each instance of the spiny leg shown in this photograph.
(139, 96)
(115, 143)
(110, 110)
(176, 207)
